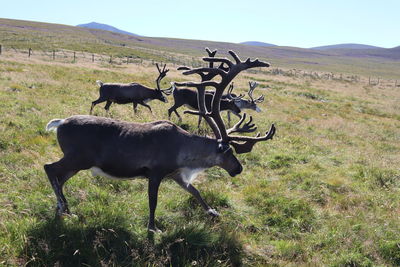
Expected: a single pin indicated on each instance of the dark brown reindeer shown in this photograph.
(242, 104)
(188, 97)
(124, 93)
(157, 149)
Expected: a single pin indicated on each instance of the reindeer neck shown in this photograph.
(198, 152)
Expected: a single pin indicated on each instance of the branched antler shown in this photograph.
(249, 142)
(162, 74)
(211, 54)
(218, 59)
(230, 96)
(197, 85)
(253, 86)
(200, 71)
(213, 117)
(248, 127)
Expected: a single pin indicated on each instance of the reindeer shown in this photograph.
(155, 150)
(188, 97)
(244, 103)
(122, 93)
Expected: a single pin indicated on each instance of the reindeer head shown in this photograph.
(227, 160)
(250, 103)
(227, 70)
(253, 102)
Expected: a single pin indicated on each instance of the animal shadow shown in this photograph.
(57, 243)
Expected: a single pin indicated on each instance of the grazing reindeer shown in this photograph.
(188, 97)
(123, 93)
(157, 149)
(245, 103)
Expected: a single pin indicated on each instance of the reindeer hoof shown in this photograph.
(62, 210)
(154, 230)
(212, 212)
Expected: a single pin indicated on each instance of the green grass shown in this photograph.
(323, 192)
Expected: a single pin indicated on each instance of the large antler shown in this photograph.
(248, 127)
(249, 142)
(161, 75)
(253, 86)
(213, 117)
(205, 77)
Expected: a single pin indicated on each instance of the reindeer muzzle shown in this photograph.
(237, 171)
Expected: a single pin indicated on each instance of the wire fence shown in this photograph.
(70, 56)
(314, 75)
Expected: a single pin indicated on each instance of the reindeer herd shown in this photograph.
(160, 149)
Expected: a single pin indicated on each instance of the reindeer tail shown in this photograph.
(53, 124)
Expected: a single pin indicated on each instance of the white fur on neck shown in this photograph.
(147, 100)
(189, 175)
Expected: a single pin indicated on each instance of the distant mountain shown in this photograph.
(255, 43)
(345, 46)
(105, 27)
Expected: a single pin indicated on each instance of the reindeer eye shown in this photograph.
(223, 148)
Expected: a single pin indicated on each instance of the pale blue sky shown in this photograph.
(304, 23)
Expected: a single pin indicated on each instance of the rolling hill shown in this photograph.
(255, 43)
(105, 27)
(46, 36)
(346, 46)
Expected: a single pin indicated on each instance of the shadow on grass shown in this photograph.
(58, 243)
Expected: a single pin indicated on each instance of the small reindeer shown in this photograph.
(188, 97)
(124, 93)
(245, 103)
(157, 149)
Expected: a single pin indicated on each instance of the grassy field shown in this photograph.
(323, 192)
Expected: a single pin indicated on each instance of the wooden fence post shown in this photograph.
(54, 54)
(0, 49)
(110, 59)
(127, 60)
(92, 57)
(74, 56)
(29, 52)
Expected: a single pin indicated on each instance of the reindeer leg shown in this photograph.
(147, 106)
(173, 109)
(94, 103)
(135, 107)
(154, 184)
(107, 106)
(199, 123)
(236, 114)
(58, 173)
(177, 114)
(192, 190)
